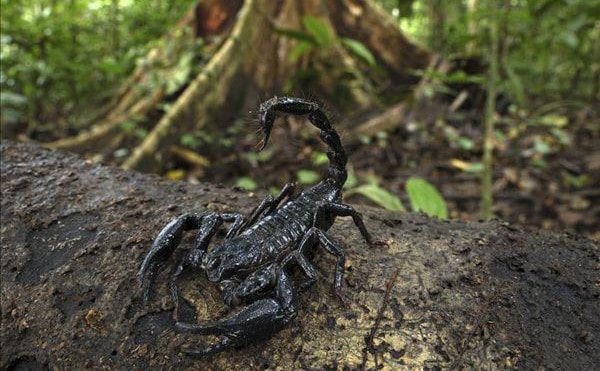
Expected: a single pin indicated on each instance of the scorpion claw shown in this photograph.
(163, 247)
(210, 350)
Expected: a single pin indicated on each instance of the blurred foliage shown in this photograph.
(61, 59)
(320, 42)
(549, 49)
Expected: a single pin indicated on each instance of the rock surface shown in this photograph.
(466, 295)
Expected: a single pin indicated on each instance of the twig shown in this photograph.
(369, 340)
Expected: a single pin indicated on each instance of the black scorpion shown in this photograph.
(251, 265)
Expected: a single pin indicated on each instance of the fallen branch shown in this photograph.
(74, 235)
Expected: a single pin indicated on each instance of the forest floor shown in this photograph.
(546, 170)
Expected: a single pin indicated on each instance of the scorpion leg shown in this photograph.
(311, 238)
(270, 204)
(238, 222)
(326, 212)
(259, 320)
(307, 242)
(209, 226)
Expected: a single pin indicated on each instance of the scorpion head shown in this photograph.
(225, 261)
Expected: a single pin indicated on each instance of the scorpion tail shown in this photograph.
(301, 107)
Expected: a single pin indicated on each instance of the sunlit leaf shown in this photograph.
(10, 115)
(127, 126)
(319, 158)
(378, 195)
(570, 39)
(307, 176)
(140, 133)
(246, 183)
(563, 137)
(553, 120)
(469, 167)
(576, 181)
(299, 50)
(541, 146)
(179, 74)
(465, 143)
(296, 35)
(12, 99)
(189, 141)
(190, 157)
(274, 191)
(318, 29)
(176, 174)
(360, 50)
(426, 198)
(351, 181)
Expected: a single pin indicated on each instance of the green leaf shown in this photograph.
(10, 115)
(570, 39)
(307, 176)
(299, 50)
(180, 73)
(541, 147)
(465, 143)
(189, 141)
(577, 181)
(246, 183)
(8, 98)
(563, 137)
(379, 195)
(318, 29)
(553, 120)
(127, 126)
(296, 35)
(351, 181)
(360, 50)
(319, 158)
(425, 197)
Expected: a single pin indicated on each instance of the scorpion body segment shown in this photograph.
(251, 265)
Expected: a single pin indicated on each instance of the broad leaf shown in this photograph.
(299, 50)
(426, 198)
(360, 50)
(296, 35)
(318, 29)
(307, 176)
(379, 195)
(246, 183)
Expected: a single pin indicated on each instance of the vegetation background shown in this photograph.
(501, 120)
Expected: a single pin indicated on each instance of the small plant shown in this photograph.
(307, 176)
(319, 36)
(423, 197)
(324, 46)
(246, 183)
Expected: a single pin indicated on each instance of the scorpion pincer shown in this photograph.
(251, 265)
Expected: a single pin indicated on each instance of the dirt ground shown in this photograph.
(442, 294)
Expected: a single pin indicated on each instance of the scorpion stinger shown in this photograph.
(251, 266)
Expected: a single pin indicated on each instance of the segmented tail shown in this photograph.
(301, 107)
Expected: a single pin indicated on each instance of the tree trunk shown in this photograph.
(441, 295)
(251, 61)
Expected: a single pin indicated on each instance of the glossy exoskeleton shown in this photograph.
(251, 266)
